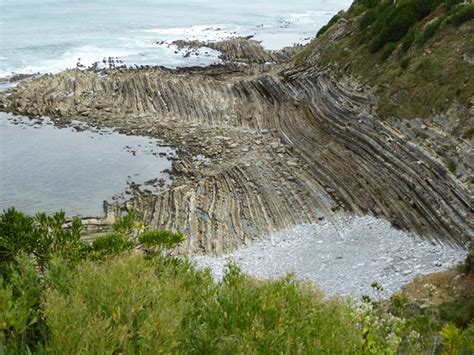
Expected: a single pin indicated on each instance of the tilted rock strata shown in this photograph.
(242, 50)
(284, 147)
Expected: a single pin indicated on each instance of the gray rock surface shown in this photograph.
(344, 256)
(287, 145)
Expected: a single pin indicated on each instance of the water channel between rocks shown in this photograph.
(45, 168)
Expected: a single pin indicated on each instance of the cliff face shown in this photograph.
(284, 144)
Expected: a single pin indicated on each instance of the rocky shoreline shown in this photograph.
(262, 146)
(344, 258)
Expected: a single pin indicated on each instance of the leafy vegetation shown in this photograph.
(384, 43)
(104, 298)
(391, 25)
(387, 22)
(461, 14)
(109, 244)
(157, 241)
(428, 31)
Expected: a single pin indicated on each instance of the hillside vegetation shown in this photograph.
(417, 54)
(61, 295)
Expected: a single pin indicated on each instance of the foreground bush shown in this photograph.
(132, 304)
(114, 299)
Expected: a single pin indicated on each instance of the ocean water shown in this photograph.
(48, 36)
(46, 169)
(43, 168)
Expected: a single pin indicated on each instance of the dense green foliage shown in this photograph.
(461, 15)
(411, 52)
(384, 22)
(40, 236)
(110, 244)
(157, 241)
(428, 31)
(105, 298)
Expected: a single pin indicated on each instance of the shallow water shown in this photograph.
(44, 168)
(51, 35)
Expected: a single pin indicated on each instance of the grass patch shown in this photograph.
(451, 166)
(428, 31)
(429, 82)
(462, 13)
(405, 63)
(388, 50)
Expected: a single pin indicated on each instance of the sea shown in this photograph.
(48, 36)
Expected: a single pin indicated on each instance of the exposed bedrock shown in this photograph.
(242, 50)
(281, 147)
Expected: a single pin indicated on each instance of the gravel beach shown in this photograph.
(344, 256)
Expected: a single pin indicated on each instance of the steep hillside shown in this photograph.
(420, 66)
(418, 58)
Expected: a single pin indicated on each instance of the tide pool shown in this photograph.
(44, 168)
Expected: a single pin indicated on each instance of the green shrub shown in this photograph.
(469, 339)
(369, 4)
(126, 304)
(398, 23)
(405, 63)
(395, 19)
(451, 3)
(368, 18)
(408, 39)
(247, 316)
(110, 244)
(20, 313)
(42, 237)
(17, 236)
(463, 13)
(428, 31)
(55, 239)
(125, 225)
(451, 166)
(452, 339)
(156, 241)
(388, 50)
(131, 304)
(460, 312)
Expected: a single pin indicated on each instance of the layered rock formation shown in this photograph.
(261, 147)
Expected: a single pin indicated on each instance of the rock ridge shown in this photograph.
(261, 147)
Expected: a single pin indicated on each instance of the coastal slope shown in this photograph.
(263, 146)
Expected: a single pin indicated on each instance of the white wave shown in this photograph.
(5, 73)
(130, 53)
(86, 55)
(207, 33)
